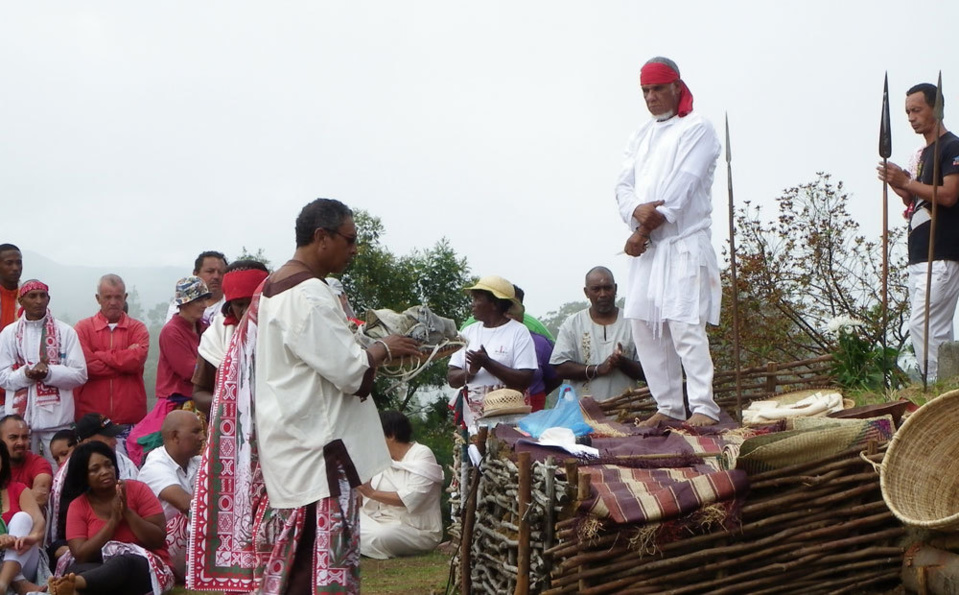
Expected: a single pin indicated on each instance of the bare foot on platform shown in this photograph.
(66, 585)
(699, 420)
(655, 419)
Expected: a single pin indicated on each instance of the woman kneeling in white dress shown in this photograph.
(401, 506)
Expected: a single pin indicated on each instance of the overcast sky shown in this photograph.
(136, 132)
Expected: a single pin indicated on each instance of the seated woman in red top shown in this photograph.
(115, 530)
(23, 527)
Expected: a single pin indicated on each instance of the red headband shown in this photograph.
(242, 284)
(32, 285)
(656, 73)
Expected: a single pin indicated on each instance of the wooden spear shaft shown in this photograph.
(885, 151)
(932, 234)
(733, 276)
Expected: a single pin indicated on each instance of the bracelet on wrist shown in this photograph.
(389, 354)
(588, 377)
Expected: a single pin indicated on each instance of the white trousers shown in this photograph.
(679, 347)
(383, 540)
(20, 526)
(942, 309)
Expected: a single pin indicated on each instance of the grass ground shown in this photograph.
(912, 392)
(419, 575)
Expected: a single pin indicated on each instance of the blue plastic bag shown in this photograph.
(566, 414)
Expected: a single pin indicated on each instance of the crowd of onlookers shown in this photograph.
(99, 488)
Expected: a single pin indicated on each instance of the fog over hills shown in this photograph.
(72, 288)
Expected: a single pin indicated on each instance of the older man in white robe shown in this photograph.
(673, 289)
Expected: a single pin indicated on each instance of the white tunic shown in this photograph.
(216, 340)
(509, 344)
(308, 369)
(585, 342)
(70, 373)
(672, 161)
(387, 531)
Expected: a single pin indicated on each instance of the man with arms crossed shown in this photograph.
(115, 347)
(673, 288)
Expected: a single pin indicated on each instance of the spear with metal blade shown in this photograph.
(932, 231)
(885, 151)
(732, 270)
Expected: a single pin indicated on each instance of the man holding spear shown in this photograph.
(919, 193)
(673, 288)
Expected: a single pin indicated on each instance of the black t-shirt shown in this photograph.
(947, 218)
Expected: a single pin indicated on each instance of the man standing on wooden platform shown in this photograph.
(916, 193)
(673, 288)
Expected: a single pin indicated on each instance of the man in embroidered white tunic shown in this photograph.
(594, 348)
(319, 437)
(673, 289)
(41, 362)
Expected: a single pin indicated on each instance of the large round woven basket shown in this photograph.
(920, 472)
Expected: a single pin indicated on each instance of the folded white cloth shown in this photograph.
(565, 439)
(814, 405)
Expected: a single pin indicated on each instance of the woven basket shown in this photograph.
(815, 438)
(920, 472)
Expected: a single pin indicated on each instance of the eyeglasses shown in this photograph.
(350, 240)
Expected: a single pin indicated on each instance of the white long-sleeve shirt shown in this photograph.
(308, 369)
(677, 278)
(70, 373)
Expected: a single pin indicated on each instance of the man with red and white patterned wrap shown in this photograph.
(41, 362)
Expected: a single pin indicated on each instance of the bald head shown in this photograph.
(600, 290)
(177, 421)
(182, 434)
(595, 272)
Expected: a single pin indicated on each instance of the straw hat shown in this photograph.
(498, 286)
(504, 401)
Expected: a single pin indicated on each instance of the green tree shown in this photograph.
(259, 256)
(378, 278)
(555, 318)
(800, 270)
(156, 316)
(155, 319)
(134, 306)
